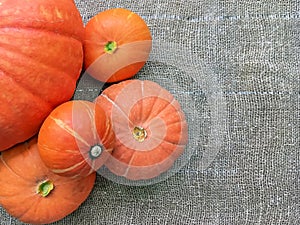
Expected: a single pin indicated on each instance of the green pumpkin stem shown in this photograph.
(110, 47)
(45, 188)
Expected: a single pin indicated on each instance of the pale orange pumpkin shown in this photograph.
(33, 194)
(150, 128)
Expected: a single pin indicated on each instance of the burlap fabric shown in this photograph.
(235, 67)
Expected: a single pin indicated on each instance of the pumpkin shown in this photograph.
(41, 58)
(116, 46)
(30, 192)
(76, 138)
(150, 128)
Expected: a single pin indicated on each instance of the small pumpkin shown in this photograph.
(41, 58)
(150, 127)
(76, 138)
(117, 44)
(33, 194)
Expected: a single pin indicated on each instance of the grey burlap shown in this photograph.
(243, 161)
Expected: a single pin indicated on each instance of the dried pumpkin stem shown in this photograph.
(96, 151)
(45, 187)
(139, 134)
(110, 47)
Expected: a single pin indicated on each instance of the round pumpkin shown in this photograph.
(117, 44)
(150, 128)
(76, 138)
(41, 58)
(33, 194)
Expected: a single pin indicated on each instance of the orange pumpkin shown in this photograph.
(150, 127)
(41, 59)
(76, 138)
(33, 194)
(117, 44)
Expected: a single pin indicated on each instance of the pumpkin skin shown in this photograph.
(76, 138)
(116, 46)
(21, 174)
(41, 57)
(150, 127)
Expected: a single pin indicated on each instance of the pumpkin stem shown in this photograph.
(45, 187)
(110, 47)
(139, 134)
(95, 151)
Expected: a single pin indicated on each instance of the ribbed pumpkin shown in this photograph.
(33, 194)
(41, 58)
(76, 138)
(150, 127)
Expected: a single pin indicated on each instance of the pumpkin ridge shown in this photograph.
(179, 115)
(70, 201)
(58, 150)
(17, 194)
(91, 115)
(47, 103)
(169, 142)
(11, 170)
(58, 171)
(129, 164)
(124, 34)
(66, 181)
(31, 205)
(150, 114)
(108, 135)
(28, 209)
(149, 96)
(163, 161)
(31, 90)
(118, 107)
(167, 105)
(142, 105)
(129, 34)
(69, 130)
(27, 58)
(92, 166)
(49, 31)
(175, 122)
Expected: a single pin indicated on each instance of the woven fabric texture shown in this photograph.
(243, 167)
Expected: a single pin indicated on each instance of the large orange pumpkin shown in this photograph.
(76, 138)
(150, 127)
(41, 58)
(30, 192)
(117, 44)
